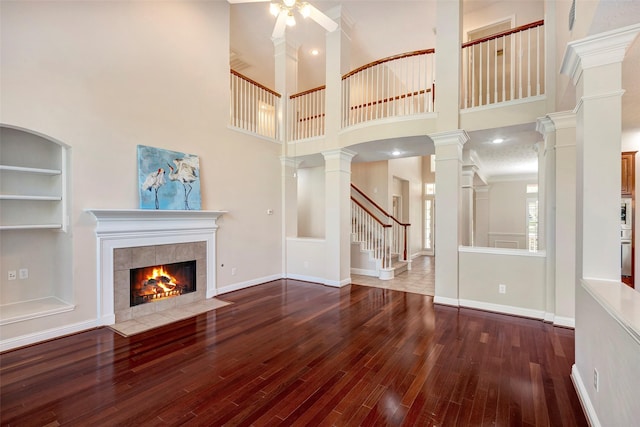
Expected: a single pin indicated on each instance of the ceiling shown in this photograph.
(382, 28)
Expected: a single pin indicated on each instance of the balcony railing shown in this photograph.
(253, 107)
(503, 67)
(306, 114)
(399, 85)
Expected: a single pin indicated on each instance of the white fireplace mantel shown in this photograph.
(124, 228)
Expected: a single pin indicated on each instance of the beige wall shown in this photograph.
(373, 179)
(507, 212)
(482, 270)
(311, 206)
(409, 170)
(104, 76)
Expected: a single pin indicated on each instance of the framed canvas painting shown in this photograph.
(168, 180)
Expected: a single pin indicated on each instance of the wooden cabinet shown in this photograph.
(628, 172)
(32, 182)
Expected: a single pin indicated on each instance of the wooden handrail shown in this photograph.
(306, 92)
(253, 82)
(377, 206)
(370, 214)
(395, 98)
(505, 33)
(304, 119)
(387, 59)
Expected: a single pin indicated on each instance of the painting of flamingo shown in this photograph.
(168, 180)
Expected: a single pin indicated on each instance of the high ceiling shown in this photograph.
(382, 28)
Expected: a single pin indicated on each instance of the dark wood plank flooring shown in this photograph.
(295, 353)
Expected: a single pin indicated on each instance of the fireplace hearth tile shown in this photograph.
(162, 318)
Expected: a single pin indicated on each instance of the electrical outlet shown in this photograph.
(23, 273)
(502, 289)
(595, 379)
(233, 271)
(306, 264)
(12, 275)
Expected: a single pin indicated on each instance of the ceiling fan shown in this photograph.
(283, 10)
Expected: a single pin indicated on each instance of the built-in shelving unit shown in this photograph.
(33, 212)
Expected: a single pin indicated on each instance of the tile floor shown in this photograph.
(150, 321)
(419, 280)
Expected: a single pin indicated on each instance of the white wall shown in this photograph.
(311, 206)
(104, 76)
(605, 342)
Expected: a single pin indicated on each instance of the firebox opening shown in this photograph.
(159, 282)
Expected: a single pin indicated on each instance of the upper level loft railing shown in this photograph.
(503, 67)
(399, 85)
(253, 107)
(306, 114)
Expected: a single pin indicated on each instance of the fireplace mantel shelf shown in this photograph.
(141, 220)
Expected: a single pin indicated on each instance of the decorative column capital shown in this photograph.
(459, 137)
(601, 49)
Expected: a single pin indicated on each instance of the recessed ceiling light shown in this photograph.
(314, 52)
(498, 141)
(395, 153)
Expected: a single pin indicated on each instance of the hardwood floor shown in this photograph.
(295, 353)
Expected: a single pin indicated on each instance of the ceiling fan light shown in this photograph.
(305, 10)
(291, 21)
(274, 9)
(289, 3)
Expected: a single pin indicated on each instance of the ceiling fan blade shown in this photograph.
(246, 1)
(322, 19)
(281, 25)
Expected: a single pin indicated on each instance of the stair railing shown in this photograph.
(398, 240)
(371, 232)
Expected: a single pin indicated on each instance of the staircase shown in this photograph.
(379, 241)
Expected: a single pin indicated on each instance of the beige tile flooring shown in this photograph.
(419, 280)
(150, 321)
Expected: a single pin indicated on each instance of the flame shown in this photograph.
(159, 272)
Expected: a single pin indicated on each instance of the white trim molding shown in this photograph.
(503, 309)
(125, 228)
(583, 396)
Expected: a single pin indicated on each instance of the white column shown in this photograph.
(595, 65)
(481, 220)
(338, 216)
(546, 210)
(448, 42)
(467, 211)
(448, 193)
(559, 131)
(338, 51)
(286, 80)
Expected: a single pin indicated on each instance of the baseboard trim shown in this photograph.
(337, 284)
(364, 272)
(503, 309)
(583, 397)
(566, 322)
(446, 301)
(49, 334)
(248, 284)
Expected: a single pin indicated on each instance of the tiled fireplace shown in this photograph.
(143, 239)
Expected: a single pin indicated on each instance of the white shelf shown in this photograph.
(34, 198)
(31, 227)
(26, 310)
(22, 169)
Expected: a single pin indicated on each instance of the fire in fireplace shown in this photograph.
(159, 282)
